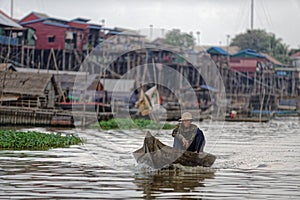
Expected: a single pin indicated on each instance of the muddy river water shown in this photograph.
(254, 161)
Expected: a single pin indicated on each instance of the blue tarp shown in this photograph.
(218, 51)
(248, 53)
(8, 40)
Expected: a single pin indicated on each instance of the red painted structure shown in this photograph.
(244, 64)
(248, 61)
(61, 34)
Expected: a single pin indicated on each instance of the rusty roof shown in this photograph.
(24, 83)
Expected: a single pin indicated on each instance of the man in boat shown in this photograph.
(188, 136)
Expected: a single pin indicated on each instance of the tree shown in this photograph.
(292, 51)
(261, 41)
(177, 38)
(252, 39)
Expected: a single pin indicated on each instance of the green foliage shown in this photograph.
(292, 51)
(252, 39)
(33, 140)
(261, 41)
(132, 124)
(176, 38)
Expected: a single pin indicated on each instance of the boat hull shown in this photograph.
(158, 155)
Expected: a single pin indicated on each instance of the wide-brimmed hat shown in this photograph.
(186, 116)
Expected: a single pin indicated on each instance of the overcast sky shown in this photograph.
(214, 19)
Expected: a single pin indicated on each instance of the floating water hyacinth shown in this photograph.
(32, 140)
(132, 124)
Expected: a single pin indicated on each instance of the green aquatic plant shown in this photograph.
(32, 140)
(125, 123)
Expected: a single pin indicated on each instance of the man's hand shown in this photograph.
(175, 131)
(185, 143)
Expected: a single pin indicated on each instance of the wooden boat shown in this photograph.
(158, 155)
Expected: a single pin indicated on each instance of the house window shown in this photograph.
(51, 38)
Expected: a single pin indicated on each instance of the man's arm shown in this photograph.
(176, 134)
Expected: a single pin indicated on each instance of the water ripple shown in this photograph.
(254, 161)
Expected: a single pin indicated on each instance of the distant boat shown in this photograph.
(158, 155)
(247, 119)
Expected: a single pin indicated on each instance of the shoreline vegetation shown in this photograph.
(33, 140)
(127, 124)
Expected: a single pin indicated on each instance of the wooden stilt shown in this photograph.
(64, 60)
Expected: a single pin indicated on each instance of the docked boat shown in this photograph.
(247, 119)
(158, 155)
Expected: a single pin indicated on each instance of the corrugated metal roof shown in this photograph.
(217, 50)
(94, 26)
(32, 21)
(230, 49)
(7, 21)
(118, 85)
(40, 15)
(45, 71)
(80, 20)
(56, 23)
(273, 60)
(248, 53)
(49, 21)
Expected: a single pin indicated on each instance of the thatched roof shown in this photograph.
(24, 83)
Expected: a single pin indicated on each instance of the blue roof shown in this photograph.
(94, 27)
(217, 50)
(32, 21)
(125, 33)
(80, 20)
(114, 32)
(53, 23)
(248, 53)
(49, 21)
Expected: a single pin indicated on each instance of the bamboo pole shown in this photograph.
(298, 104)
(261, 105)
(70, 61)
(22, 55)
(27, 57)
(48, 62)
(8, 49)
(54, 59)
(154, 71)
(33, 58)
(128, 62)
(64, 60)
